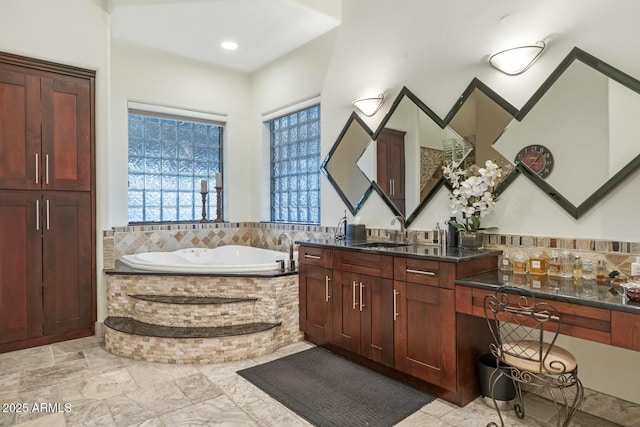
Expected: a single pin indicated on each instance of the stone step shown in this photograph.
(195, 311)
(191, 300)
(135, 327)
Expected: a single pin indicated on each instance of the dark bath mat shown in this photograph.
(329, 390)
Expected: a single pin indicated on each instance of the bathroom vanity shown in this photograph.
(393, 308)
(416, 313)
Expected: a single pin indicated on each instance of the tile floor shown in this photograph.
(79, 383)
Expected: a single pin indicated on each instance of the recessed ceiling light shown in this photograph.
(229, 45)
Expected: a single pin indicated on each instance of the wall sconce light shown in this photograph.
(369, 106)
(516, 60)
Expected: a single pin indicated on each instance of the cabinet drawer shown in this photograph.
(424, 272)
(363, 263)
(590, 323)
(318, 257)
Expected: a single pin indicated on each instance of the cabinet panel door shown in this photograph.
(19, 130)
(20, 266)
(425, 333)
(66, 133)
(315, 301)
(347, 330)
(377, 318)
(67, 262)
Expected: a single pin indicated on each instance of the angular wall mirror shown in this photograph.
(353, 186)
(575, 138)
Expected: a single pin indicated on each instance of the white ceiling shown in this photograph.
(264, 29)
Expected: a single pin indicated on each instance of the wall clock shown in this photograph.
(538, 158)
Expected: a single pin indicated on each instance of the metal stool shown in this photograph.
(517, 324)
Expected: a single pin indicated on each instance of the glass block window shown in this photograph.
(168, 158)
(295, 167)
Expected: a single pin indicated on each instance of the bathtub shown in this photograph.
(223, 259)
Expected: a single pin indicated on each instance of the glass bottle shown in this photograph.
(587, 270)
(520, 263)
(577, 267)
(553, 267)
(504, 262)
(537, 264)
(601, 271)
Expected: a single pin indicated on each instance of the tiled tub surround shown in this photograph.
(222, 305)
(134, 239)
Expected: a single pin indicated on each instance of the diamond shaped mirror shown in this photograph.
(576, 138)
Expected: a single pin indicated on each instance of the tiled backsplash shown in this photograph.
(149, 238)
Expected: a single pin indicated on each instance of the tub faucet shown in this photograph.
(292, 262)
(403, 231)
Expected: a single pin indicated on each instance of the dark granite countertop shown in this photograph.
(123, 269)
(422, 251)
(583, 292)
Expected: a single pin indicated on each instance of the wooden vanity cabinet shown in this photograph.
(424, 326)
(399, 312)
(431, 341)
(362, 306)
(315, 282)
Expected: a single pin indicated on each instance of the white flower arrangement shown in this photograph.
(472, 196)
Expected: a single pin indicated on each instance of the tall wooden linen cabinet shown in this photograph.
(47, 202)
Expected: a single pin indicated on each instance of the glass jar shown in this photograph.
(566, 265)
(587, 270)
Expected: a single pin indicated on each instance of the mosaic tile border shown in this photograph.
(168, 237)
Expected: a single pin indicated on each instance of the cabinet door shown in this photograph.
(19, 130)
(67, 262)
(346, 312)
(377, 320)
(424, 333)
(315, 302)
(20, 266)
(66, 133)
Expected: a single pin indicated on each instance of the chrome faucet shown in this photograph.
(403, 230)
(292, 262)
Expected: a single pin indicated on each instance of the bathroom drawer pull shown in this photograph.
(48, 214)
(37, 169)
(395, 304)
(424, 273)
(355, 303)
(37, 214)
(361, 299)
(311, 256)
(46, 169)
(326, 288)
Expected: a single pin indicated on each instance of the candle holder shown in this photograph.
(219, 204)
(204, 207)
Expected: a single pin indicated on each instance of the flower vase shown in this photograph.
(470, 239)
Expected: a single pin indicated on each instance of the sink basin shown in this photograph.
(381, 244)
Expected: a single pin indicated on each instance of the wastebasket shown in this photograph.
(504, 391)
